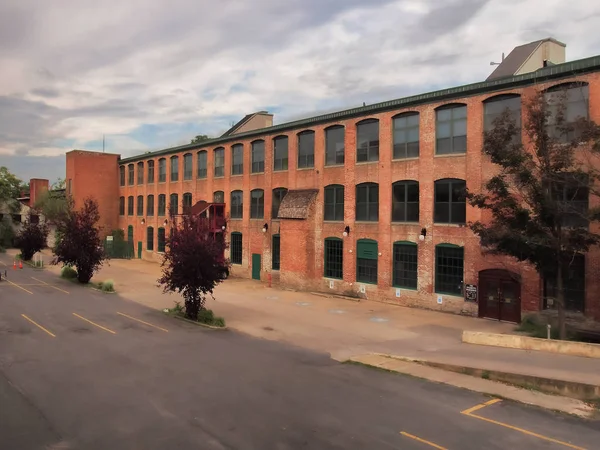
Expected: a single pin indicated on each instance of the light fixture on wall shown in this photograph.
(265, 228)
(346, 231)
(143, 221)
(223, 227)
(423, 234)
(166, 222)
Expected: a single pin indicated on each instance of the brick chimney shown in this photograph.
(37, 187)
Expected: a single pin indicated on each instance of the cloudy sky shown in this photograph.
(150, 74)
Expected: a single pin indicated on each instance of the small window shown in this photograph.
(202, 164)
(367, 202)
(150, 165)
(258, 156)
(130, 205)
(306, 149)
(572, 100)
(187, 203)
(140, 173)
(218, 197)
(162, 204)
(121, 206)
(275, 253)
(150, 205)
(334, 258)
(495, 107)
(405, 201)
(451, 130)
(162, 170)
(449, 262)
(173, 204)
(140, 205)
(237, 205)
(405, 265)
(278, 194)
(257, 204)
(161, 240)
(236, 248)
(219, 154)
(150, 238)
(366, 261)
(573, 285)
(450, 201)
(334, 145)
(122, 175)
(280, 152)
(406, 135)
(130, 174)
(188, 170)
(334, 203)
(572, 196)
(367, 140)
(174, 168)
(237, 159)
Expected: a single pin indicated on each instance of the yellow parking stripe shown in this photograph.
(38, 325)
(22, 288)
(469, 412)
(422, 441)
(49, 285)
(141, 321)
(95, 324)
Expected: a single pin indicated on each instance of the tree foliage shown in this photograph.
(54, 206)
(199, 138)
(80, 244)
(31, 238)
(10, 190)
(538, 199)
(194, 263)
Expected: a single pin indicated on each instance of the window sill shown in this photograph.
(333, 221)
(366, 163)
(161, 182)
(201, 178)
(257, 173)
(412, 158)
(451, 225)
(174, 181)
(233, 175)
(236, 218)
(366, 222)
(451, 294)
(333, 278)
(450, 155)
(306, 168)
(404, 224)
(218, 177)
(333, 166)
(188, 179)
(257, 218)
(405, 288)
(372, 283)
(280, 170)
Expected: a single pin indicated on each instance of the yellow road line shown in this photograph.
(141, 321)
(46, 284)
(469, 412)
(38, 325)
(423, 441)
(22, 288)
(94, 323)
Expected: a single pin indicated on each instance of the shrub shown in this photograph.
(31, 239)
(219, 322)
(68, 272)
(107, 286)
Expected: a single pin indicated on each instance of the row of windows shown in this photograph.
(161, 206)
(450, 129)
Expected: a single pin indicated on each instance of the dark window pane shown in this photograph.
(150, 238)
(237, 205)
(174, 168)
(237, 159)
(162, 170)
(367, 141)
(202, 164)
(150, 171)
(161, 239)
(306, 149)
(257, 204)
(367, 202)
(275, 250)
(219, 162)
(277, 197)
(130, 206)
(187, 166)
(258, 156)
(218, 197)
(122, 175)
(122, 206)
(405, 201)
(334, 203)
(334, 258)
(449, 270)
(150, 205)
(334, 146)
(236, 248)
(451, 130)
(405, 266)
(162, 204)
(130, 174)
(280, 157)
(140, 173)
(140, 205)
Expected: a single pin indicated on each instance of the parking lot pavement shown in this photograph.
(83, 369)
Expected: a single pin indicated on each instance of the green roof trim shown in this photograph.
(445, 245)
(405, 243)
(558, 71)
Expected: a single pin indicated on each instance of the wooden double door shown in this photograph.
(500, 295)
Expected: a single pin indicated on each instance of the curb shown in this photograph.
(528, 343)
(198, 323)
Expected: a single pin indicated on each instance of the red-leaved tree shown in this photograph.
(194, 262)
(32, 237)
(80, 244)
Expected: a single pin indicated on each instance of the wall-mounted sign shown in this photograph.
(470, 293)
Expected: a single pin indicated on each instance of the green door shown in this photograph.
(140, 249)
(255, 266)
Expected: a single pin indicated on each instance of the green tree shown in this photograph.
(32, 237)
(80, 244)
(538, 198)
(59, 184)
(54, 206)
(10, 190)
(199, 138)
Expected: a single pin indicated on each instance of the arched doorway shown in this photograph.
(500, 295)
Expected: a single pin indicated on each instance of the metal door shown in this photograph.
(500, 297)
(255, 266)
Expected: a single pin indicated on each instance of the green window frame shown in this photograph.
(405, 268)
(449, 269)
(161, 240)
(150, 238)
(406, 135)
(366, 261)
(333, 256)
(236, 248)
(276, 253)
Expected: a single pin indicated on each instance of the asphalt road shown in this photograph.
(67, 383)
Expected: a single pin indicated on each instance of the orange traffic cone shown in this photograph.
(14, 265)
(20, 264)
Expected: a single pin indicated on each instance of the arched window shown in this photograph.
(187, 166)
(258, 156)
(451, 129)
(450, 204)
(130, 174)
(219, 162)
(257, 204)
(333, 254)
(405, 265)
(237, 205)
(334, 145)
(449, 269)
(235, 254)
(406, 135)
(306, 149)
(150, 238)
(366, 261)
(367, 202)
(162, 204)
(237, 159)
(334, 202)
(367, 140)
(150, 205)
(174, 168)
(495, 107)
(140, 172)
(278, 194)
(202, 164)
(130, 205)
(150, 166)
(121, 206)
(187, 202)
(162, 170)
(161, 240)
(173, 204)
(275, 253)
(218, 197)
(405, 201)
(140, 205)
(572, 99)
(280, 153)
(122, 175)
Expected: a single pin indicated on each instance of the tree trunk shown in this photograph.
(560, 300)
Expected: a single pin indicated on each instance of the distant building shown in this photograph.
(360, 202)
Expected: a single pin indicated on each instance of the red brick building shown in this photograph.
(358, 202)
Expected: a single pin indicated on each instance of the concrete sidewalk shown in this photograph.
(346, 328)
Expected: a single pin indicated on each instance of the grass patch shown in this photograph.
(2, 249)
(106, 286)
(205, 316)
(534, 327)
(68, 273)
